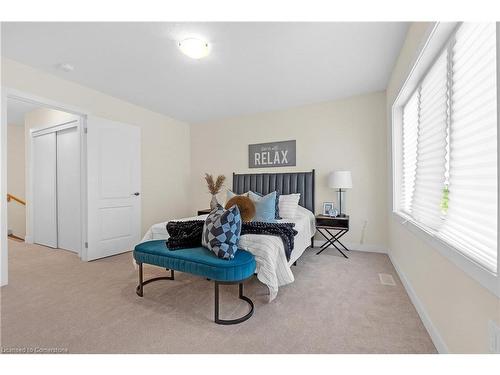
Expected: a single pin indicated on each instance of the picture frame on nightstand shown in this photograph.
(327, 206)
(329, 209)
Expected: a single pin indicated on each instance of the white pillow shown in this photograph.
(288, 205)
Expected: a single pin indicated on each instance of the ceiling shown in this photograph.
(16, 110)
(252, 67)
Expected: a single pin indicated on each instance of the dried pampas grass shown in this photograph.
(214, 186)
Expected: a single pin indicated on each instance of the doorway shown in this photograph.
(109, 175)
(44, 184)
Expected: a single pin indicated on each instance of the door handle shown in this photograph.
(136, 194)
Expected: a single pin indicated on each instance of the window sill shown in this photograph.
(486, 278)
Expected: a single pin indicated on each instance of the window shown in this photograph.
(448, 146)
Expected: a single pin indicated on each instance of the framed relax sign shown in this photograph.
(273, 154)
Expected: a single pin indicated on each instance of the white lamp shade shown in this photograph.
(340, 180)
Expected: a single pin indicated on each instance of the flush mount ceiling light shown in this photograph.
(194, 48)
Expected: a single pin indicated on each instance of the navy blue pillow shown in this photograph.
(277, 211)
(221, 231)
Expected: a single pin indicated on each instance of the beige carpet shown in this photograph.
(335, 305)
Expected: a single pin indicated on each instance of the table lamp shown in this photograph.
(340, 180)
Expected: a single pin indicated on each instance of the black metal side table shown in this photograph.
(332, 228)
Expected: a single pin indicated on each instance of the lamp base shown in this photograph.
(340, 193)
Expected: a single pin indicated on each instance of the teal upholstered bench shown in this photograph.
(201, 262)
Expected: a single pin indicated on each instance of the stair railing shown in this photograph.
(16, 199)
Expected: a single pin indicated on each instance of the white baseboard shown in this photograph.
(357, 247)
(28, 239)
(429, 326)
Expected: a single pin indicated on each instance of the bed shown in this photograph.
(272, 269)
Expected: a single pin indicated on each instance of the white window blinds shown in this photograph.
(449, 146)
(410, 131)
(431, 146)
(471, 218)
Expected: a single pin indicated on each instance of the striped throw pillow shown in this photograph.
(288, 205)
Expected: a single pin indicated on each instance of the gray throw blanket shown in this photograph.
(186, 234)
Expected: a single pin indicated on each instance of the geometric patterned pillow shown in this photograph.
(221, 231)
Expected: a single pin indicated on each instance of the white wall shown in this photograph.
(455, 308)
(347, 134)
(15, 179)
(165, 141)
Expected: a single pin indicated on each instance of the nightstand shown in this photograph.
(332, 228)
(204, 211)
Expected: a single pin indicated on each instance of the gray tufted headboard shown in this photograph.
(284, 183)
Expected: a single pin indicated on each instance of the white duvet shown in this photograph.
(272, 267)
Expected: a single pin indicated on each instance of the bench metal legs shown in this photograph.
(240, 296)
(140, 288)
(140, 292)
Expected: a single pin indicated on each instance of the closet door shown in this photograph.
(68, 190)
(45, 190)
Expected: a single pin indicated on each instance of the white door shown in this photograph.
(68, 189)
(44, 190)
(114, 187)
